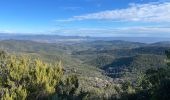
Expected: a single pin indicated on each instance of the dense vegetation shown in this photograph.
(154, 84)
(23, 78)
(106, 70)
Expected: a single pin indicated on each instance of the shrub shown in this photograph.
(22, 78)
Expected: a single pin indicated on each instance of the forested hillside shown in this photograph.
(83, 70)
(95, 57)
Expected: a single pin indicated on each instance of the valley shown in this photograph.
(102, 59)
(96, 63)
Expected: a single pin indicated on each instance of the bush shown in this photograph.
(22, 78)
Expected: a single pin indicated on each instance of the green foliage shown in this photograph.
(22, 78)
(154, 84)
(127, 87)
(167, 52)
(67, 88)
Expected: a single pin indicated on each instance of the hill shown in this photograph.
(93, 58)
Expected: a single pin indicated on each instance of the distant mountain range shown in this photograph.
(58, 38)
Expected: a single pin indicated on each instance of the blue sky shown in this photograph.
(142, 18)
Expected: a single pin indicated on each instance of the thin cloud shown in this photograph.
(126, 31)
(152, 12)
(6, 31)
(65, 20)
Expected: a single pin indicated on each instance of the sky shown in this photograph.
(105, 18)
